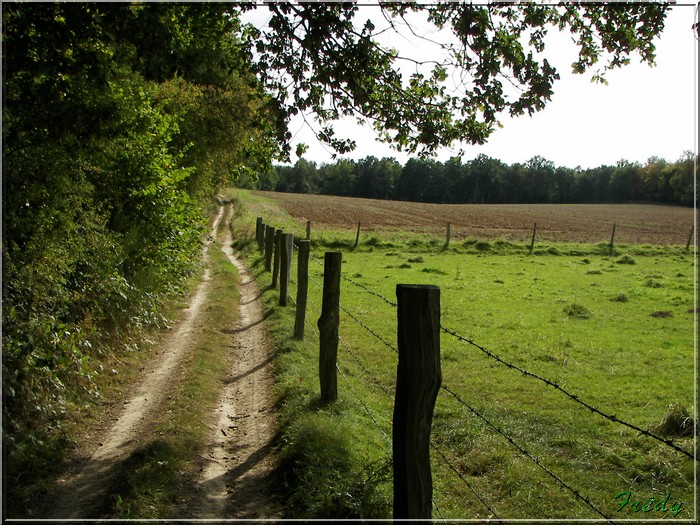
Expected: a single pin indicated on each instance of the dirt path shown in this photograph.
(235, 482)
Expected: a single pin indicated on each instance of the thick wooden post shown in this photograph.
(286, 266)
(258, 231)
(263, 234)
(308, 230)
(418, 378)
(448, 235)
(302, 288)
(328, 327)
(278, 253)
(269, 247)
(690, 238)
(357, 237)
(532, 242)
(612, 239)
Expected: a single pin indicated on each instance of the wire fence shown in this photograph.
(475, 412)
(387, 393)
(573, 397)
(374, 334)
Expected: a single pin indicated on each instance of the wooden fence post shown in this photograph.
(328, 327)
(449, 234)
(276, 264)
(286, 266)
(532, 242)
(308, 230)
(418, 378)
(357, 237)
(302, 288)
(690, 238)
(269, 247)
(258, 231)
(612, 239)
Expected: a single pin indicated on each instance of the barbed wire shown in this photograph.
(524, 452)
(313, 329)
(366, 370)
(456, 396)
(369, 412)
(454, 469)
(573, 397)
(313, 303)
(374, 380)
(390, 396)
(438, 510)
(314, 281)
(525, 372)
(315, 259)
(444, 458)
(367, 328)
(387, 301)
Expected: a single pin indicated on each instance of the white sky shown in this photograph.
(642, 112)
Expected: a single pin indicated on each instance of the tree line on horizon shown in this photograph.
(486, 180)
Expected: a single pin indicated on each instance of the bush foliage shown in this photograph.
(119, 123)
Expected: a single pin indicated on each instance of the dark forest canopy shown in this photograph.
(485, 180)
(121, 120)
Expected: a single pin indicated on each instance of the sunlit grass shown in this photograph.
(567, 312)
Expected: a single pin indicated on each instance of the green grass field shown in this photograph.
(616, 331)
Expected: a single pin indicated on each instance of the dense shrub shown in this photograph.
(119, 123)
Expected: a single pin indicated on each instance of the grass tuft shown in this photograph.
(678, 422)
(620, 298)
(323, 476)
(435, 271)
(652, 283)
(577, 311)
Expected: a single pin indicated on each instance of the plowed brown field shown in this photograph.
(590, 223)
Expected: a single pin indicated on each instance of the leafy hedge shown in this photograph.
(120, 121)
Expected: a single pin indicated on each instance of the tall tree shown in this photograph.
(626, 182)
(563, 182)
(338, 178)
(413, 182)
(656, 179)
(487, 173)
(540, 179)
(682, 180)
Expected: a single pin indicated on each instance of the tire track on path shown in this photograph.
(83, 494)
(238, 479)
